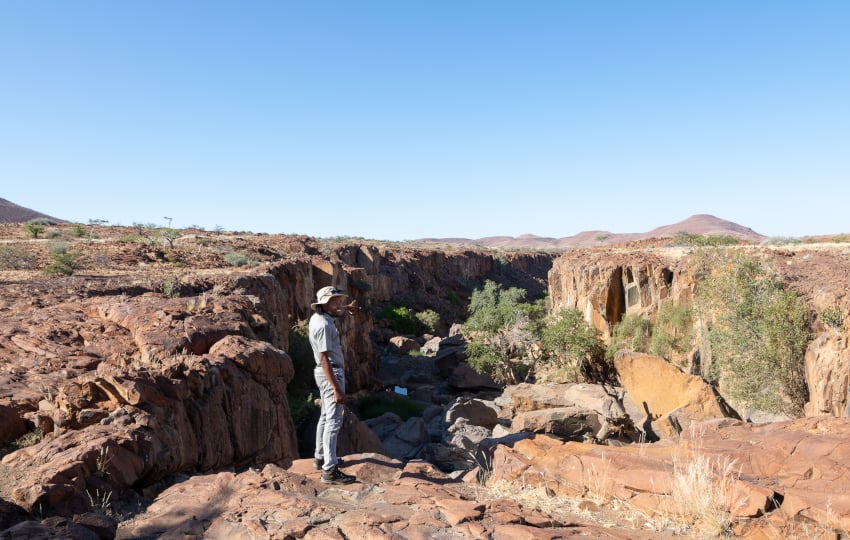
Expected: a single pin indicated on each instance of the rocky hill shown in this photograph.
(12, 213)
(702, 224)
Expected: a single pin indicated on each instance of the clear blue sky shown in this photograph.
(402, 119)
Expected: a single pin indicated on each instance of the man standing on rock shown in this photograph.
(330, 378)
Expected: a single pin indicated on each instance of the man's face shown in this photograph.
(334, 306)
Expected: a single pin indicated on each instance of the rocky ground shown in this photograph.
(144, 396)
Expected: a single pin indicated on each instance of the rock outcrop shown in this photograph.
(741, 470)
(670, 398)
(606, 283)
(413, 501)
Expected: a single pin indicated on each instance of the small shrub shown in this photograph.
(700, 240)
(64, 263)
(429, 320)
(171, 287)
(401, 319)
(672, 332)
(375, 406)
(78, 231)
(833, 316)
(53, 234)
(632, 332)
(57, 247)
(15, 258)
(130, 238)
(28, 439)
(780, 241)
(238, 259)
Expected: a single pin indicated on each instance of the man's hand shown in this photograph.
(353, 307)
(339, 397)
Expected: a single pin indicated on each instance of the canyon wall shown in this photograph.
(129, 385)
(607, 284)
(419, 279)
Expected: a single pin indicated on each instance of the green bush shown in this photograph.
(375, 406)
(238, 259)
(64, 263)
(53, 234)
(632, 332)
(401, 318)
(78, 230)
(429, 321)
(672, 332)
(575, 347)
(758, 333)
(833, 316)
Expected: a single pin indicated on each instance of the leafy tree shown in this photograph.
(33, 229)
(169, 235)
(758, 334)
(503, 333)
(575, 345)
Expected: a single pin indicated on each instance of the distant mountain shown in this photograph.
(703, 224)
(12, 213)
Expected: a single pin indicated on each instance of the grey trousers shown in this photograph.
(330, 420)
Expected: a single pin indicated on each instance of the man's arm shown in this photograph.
(325, 361)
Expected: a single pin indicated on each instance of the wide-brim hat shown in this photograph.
(324, 295)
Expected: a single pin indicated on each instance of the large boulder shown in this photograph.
(570, 423)
(670, 398)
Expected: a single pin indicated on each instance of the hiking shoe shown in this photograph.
(318, 462)
(335, 476)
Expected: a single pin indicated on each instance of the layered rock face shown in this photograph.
(607, 284)
(130, 386)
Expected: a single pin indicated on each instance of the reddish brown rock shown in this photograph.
(805, 464)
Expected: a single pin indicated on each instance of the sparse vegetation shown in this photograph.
(238, 259)
(62, 261)
(700, 240)
(33, 229)
(634, 332)
(429, 321)
(833, 316)
(16, 258)
(28, 439)
(401, 319)
(673, 331)
(780, 241)
(171, 287)
(758, 331)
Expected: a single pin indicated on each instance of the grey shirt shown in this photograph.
(324, 337)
